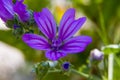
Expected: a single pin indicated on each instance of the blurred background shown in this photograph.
(103, 25)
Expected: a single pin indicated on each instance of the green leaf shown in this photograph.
(111, 49)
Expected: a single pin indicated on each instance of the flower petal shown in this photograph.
(55, 55)
(46, 23)
(65, 23)
(73, 28)
(36, 41)
(21, 10)
(6, 10)
(76, 44)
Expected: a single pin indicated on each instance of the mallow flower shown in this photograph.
(57, 42)
(8, 9)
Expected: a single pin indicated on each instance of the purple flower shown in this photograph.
(8, 10)
(21, 10)
(57, 46)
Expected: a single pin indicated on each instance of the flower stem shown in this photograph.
(80, 73)
(105, 66)
(110, 66)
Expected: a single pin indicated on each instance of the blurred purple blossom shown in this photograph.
(57, 46)
(21, 10)
(8, 10)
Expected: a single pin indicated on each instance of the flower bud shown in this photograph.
(96, 55)
(52, 63)
(66, 66)
(16, 26)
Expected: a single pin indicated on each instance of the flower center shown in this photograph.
(55, 44)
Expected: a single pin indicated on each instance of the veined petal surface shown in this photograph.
(36, 41)
(66, 22)
(73, 28)
(76, 44)
(6, 10)
(46, 23)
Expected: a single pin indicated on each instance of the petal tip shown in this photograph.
(71, 10)
(90, 39)
(84, 19)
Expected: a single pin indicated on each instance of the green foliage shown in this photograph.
(41, 70)
(37, 5)
(105, 15)
(9, 23)
(47, 70)
(56, 76)
(110, 49)
(116, 67)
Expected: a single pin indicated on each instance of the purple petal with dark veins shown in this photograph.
(21, 10)
(35, 41)
(73, 28)
(6, 10)
(55, 55)
(76, 44)
(65, 23)
(46, 23)
(50, 21)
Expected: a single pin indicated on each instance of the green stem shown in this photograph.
(110, 66)
(105, 66)
(50, 71)
(80, 73)
(117, 60)
(73, 71)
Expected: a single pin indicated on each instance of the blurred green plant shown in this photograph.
(105, 14)
(37, 5)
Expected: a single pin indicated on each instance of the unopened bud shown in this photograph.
(96, 54)
(66, 66)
